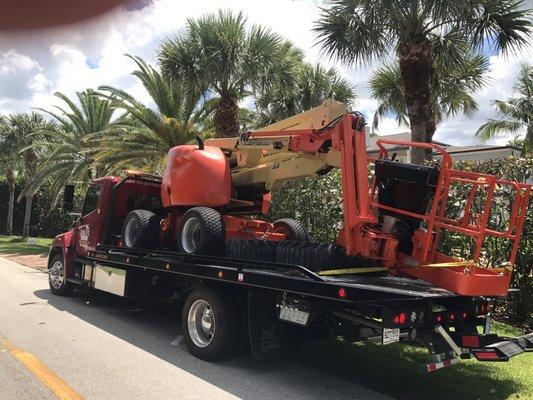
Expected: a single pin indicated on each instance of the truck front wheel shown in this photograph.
(201, 230)
(56, 277)
(209, 324)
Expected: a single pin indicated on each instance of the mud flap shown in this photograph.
(268, 336)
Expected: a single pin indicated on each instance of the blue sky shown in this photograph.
(35, 65)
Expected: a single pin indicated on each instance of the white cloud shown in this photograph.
(12, 62)
(69, 59)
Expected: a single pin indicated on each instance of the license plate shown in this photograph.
(390, 335)
(293, 315)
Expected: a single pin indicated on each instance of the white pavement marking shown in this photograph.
(177, 341)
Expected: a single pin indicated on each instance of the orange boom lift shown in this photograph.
(397, 220)
(391, 225)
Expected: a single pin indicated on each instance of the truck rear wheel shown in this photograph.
(201, 231)
(56, 277)
(209, 324)
(292, 228)
(141, 229)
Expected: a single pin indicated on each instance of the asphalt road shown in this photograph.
(103, 347)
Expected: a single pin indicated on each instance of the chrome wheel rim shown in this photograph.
(56, 275)
(190, 236)
(201, 323)
(131, 232)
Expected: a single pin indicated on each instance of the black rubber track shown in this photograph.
(297, 230)
(251, 249)
(316, 256)
(149, 225)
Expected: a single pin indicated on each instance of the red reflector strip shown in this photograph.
(470, 341)
(444, 363)
(486, 355)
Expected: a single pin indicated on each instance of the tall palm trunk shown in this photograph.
(10, 178)
(430, 131)
(416, 68)
(30, 168)
(227, 118)
(27, 216)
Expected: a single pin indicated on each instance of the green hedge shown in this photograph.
(317, 202)
(44, 221)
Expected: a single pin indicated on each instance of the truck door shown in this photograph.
(87, 231)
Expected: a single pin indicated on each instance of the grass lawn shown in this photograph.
(393, 370)
(17, 245)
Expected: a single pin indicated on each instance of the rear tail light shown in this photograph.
(470, 341)
(439, 318)
(486, 355)
(400, 318)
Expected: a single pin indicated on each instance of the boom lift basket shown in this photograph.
(420, 257)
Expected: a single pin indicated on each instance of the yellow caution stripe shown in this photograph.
(48, 377)
(348, 271)
(452, 264)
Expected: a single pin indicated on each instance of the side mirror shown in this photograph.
(68, 198)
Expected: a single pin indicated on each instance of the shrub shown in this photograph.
(317, 202)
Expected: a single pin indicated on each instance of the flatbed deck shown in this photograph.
(269, 275)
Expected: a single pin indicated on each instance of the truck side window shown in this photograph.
(91, 200)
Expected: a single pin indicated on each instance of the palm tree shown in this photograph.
(144, 138)
(22, 128)
(365, 30)
(451, 93)
(8, 162)
(224, 60)
(516, 113)
(313, 85)
(70, 144)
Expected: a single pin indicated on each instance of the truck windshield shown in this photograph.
(91, 200)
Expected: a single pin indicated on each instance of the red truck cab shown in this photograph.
(110, 194)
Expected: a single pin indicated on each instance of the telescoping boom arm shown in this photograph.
(395, 221)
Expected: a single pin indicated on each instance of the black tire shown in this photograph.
(201, 231)
(141, 230)
(314, 256)
(251, 249)
(225, 332)
(293, 228)
(57, 282)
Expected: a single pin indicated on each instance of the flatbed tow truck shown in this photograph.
(259, 282)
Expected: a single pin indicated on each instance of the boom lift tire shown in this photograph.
(141, 229)
(56, 277)
(209, 323)
(251, 249)
(314, 256)
(201, 230)
(293, 228)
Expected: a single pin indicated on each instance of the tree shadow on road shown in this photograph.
(152, 326)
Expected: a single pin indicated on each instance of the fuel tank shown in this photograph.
(196, 177)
